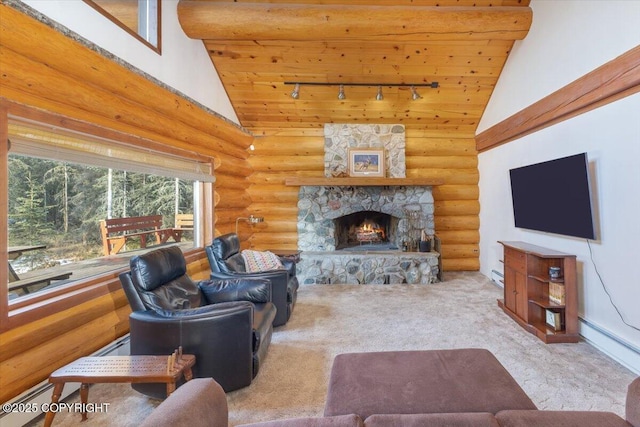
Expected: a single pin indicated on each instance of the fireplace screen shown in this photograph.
(365, 228)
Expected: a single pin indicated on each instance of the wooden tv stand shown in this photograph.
(526, 291)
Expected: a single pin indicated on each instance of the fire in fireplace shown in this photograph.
(365, 228)
(370, 232)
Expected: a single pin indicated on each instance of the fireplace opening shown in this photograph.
(366, 230)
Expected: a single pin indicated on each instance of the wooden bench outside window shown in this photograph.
(117, 231)
(184, 222)
(43, 280)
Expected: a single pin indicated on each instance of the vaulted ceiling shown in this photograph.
(257, 47)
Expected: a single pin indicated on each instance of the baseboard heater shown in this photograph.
(497, 278)
(610, 344)
(41, 393)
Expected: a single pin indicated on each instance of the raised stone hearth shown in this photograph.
(375, 267)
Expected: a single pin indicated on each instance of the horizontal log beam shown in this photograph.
(456, 192)
(612, 81)
(278, 21)
(232, 200)
(272, 240)
(458, 251)
(233, 166)
(457, 207)
(442, 162)
(274, 178)
(458, 236)
(278, 226)
(287, 163)
(457, 222)
(447, 176)
(460, 264)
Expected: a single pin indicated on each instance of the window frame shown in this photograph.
(157, 47)
(29, 308)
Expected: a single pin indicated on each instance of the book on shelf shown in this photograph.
(556, 292)
(554, 320)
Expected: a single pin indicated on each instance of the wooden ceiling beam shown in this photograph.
(211, 20)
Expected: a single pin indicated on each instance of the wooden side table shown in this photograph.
(120, 369)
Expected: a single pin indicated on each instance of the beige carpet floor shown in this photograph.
(460, 312)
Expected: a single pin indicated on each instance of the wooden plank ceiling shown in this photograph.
(258, 46)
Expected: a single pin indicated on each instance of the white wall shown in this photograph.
(567, 40)
(183, 65)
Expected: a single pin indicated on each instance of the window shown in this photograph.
(140, 18)
(62, 184)
(55, 209)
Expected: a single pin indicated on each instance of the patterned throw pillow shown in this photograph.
(256, 261)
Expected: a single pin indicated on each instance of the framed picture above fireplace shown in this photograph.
(366, 162)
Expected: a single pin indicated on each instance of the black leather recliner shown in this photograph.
(226, 262)
(226, 324)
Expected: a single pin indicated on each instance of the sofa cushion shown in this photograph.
(338, 421)
(517, 418)
(199, 402)
(463, 419)
(633, 402)
(421, 382)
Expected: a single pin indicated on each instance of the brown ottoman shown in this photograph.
(421, 382)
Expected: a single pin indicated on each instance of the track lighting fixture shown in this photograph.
(295, 93)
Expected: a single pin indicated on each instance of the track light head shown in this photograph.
(379, 96)
(295, 93)
(341, 94)
(414, 94)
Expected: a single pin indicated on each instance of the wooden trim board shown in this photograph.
(612, 81)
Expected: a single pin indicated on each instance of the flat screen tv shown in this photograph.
(554, 196)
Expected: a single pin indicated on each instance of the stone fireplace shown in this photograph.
(330, 218)
(365, 233)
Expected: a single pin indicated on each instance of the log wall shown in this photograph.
(52, 73)
(280, 154)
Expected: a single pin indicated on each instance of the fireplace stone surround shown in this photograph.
(321, 263)
(408, 206)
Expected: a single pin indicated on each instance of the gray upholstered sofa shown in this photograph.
(202, 402)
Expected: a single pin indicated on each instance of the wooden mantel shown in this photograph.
(361, 182)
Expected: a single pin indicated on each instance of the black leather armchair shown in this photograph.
(226, 324)
(226, 262)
